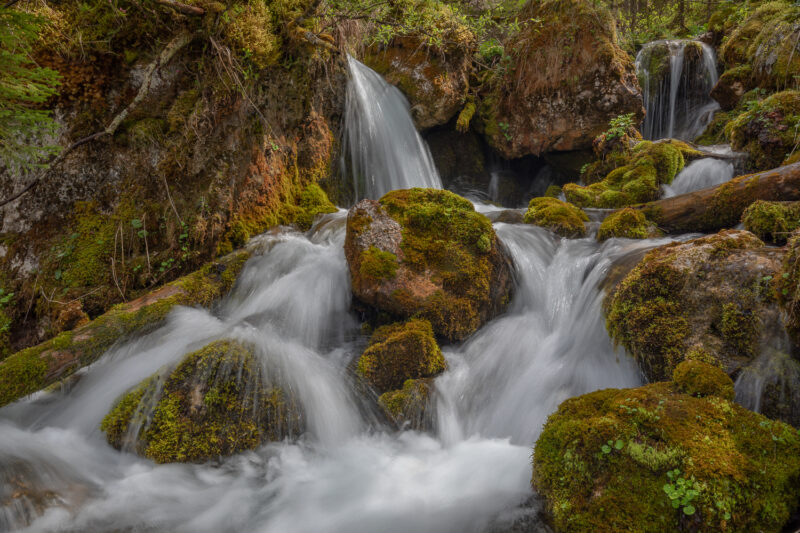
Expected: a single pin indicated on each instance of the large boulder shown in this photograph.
(435, 81)
(672, 456)
(428, 253)
(217, 402)
(707, 298)
(567, 78)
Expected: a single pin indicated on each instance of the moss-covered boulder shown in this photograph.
(409, 407)
(772, 221)
(312, 202)
(765, 41)
(768, 130)
(708, 299)
(649, 166)
(627, 223)
(732, 85)
(435, 81)
(559, 217)
(427, 253)
(700, 379)
(655, 459)
(217, 402)
(399, 352)
(568, 77)
(788, 287)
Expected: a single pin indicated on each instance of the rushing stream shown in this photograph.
(350, 471)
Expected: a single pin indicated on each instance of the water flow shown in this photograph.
(349, 473)
(700, 174)
(676, 78)
(383, 150)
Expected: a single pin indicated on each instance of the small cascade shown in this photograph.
(676, 78)
(700, 174)
(382, 149)
(769, 386)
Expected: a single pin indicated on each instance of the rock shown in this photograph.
(772, 221)
(34, 368)
(218, 401)
(426, 253)
(410, 406)
(767, 130)
(788, 287)
(567, 79)
(731, 86)
(708, 299)
(654, 459)
(559, 217)
(401, 352)
(312, 202)
(434, 81)
(628, 224)
(646, 168)
(700, 379)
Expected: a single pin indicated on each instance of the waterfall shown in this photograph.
(382, 149)
(700, 174)
(676, 78)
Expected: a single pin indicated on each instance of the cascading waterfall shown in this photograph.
(382, 149)
(700, 174)
(676, 78)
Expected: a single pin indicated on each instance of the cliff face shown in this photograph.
(219, 144)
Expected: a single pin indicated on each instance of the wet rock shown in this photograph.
(427, 253)
(731, 86)
(217, 402)
(657, 459)
(400, 352)
(435, 81)
(708, 299)
(772, 221)
(568, 79)
(410, 407)
(628, 224)
(559, 217)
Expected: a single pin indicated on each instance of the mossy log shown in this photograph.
(715, 208)
(34, 368)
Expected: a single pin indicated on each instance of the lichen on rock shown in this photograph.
(217, 402)
(559, 217)
(427, 253)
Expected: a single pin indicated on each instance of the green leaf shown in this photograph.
(689, 510)
(606, 448)
(58, 274)
(619, 444)
(136, 223)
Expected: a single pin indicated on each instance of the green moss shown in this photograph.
(147, 131)
(696, 378)
(557, 216)
(626, 223)
(552, 191)
(401, 352)
(31, 369)
(607, 461)
(768, 130)
(464, 117)
(787, 287)
(408, 406)
(313, 201)
(377, 265)
(252, 32)
(772, 221)
(217, 402)
(181, 109)
(649, 166)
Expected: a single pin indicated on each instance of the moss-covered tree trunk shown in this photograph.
(712, 209)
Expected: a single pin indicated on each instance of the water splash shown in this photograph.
(676, 78)
(382, 149)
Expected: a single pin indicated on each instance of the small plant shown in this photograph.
(504, 128)
(612, 445)
(681, 491)
(619, 126)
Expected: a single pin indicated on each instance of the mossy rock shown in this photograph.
(732, 85)
(654, 459)
(700, 379)
(649, 166)
(788, 287)
(313, 201)
(627, 223)
(711, 294)
(217, 402)
(399, 352)
(409, 407)
(559, 217)
(772, 221)
(767, 131)
(427, 253)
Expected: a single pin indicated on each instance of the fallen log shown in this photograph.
(715, 208)
(34, 368)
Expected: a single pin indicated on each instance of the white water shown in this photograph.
(680, 105)
(382, 149)
(700, 174)
(349, 473)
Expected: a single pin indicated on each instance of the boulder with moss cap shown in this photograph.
(627, 223)
(772, 221)
(655, 459)
(559, 217)
(427, 253)
(217, 402)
